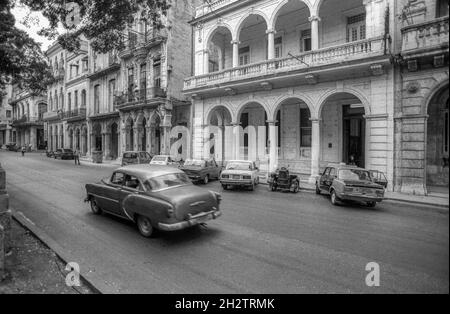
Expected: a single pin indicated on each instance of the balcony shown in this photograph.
(139, 97)
(51, 115)
(74, 115)
(425, 37)
(213, 6)
(139, 45)
(27, 121)
(304, 63)
(59, 73)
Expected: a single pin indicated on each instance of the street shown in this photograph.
(265, 242)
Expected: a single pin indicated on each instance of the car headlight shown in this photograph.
(225, 176)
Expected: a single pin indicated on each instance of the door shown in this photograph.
(324, 178)
(110, 197)
(131, 186)
(354, 136)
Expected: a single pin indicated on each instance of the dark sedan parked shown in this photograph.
(64, 154)
(154, 197)
(201, 170)
(348, 183)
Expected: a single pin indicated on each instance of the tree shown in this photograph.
(102, 22)
(21, 58)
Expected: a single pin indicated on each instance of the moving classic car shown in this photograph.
(201, 170)
(240, 173)
(349, 183)
(154, 197)
(133, 158)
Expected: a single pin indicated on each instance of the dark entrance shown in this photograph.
(354, 135)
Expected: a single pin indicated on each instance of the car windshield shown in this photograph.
(68, 151)
(130, 155)
(354, 174)
(239, 166)
(159, 158)
(167, 181)
(194, 163)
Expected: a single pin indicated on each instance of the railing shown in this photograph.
(325, 56)
(212, 6)
(50, 115)
(76, 113)
(138, 96)
(425, 35)
(26, 119)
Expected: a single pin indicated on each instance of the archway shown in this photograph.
(253, 40)
(71, 143)
(129, 129)
(155, 127)
(220, 135)
(114, 141)
(343, 130)
(84, 146)
(437, 157)
(78, 140)
(220, 50)
(97, 143)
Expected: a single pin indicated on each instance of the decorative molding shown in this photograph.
(377, 69)
(312, 79)
(413, 87)
(266, 86)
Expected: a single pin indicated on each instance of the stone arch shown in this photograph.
(276, 12)
(434, 91)
(211, 110)
(279, 102)
(214, 30)
(243, 105)
(323, 99)
(238, 28)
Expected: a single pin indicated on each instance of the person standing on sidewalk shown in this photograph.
(76, 155)
(23, 151)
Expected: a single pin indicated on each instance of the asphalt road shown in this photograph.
(264, 243)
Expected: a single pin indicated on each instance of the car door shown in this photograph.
(148, 158)
(111, 191)
(331, 177)
(324, 178)
(131, 186)
(214, 169)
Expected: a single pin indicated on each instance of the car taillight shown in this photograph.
(170, 212)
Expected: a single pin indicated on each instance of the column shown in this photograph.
(33, 138)
(206, 61)
(149, 130)
(107, 145)
(314, 32)
(124, 139)
(315, 150)
(271, 43)
(235, 44)
(135, 139)
(273, 146)
(237, 140)
(375, 14)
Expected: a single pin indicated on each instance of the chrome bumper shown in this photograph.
(236, 182)
(192, 221)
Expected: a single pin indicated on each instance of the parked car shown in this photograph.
(379, 178)
(201, 170)
(284, 181)
(154, 197)
(163, 160)
(13, 147)
(349, 183)
(132, 158)
(64, 153)
(240, 173)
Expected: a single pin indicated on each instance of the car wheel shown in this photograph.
(334, 198)
(206, 179)
(145, 226)
(318, 191)
(225, 187)
(295, 187)
(372, 204)
(95, 208)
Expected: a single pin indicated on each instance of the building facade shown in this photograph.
(5, 116)
(422, 113)
(301, 84)
(28, 110)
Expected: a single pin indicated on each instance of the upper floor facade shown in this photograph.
(27, 107)
(265, 43)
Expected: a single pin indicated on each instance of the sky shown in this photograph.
(38, 21)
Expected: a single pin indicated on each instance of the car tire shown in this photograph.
(225, 187)
(296, 187)
(96, 210)
(144, 226)
(334, 199)
(206, 179)
(318, 191)
(372, 204)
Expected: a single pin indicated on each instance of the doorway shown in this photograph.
(354, 128)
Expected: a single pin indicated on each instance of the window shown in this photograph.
(130, 80)
(143, 80)
(244, 56)
(306, 40)
(278, 47)
(132, 39)
(8, 114)
(132, 182)
(75, 100)
(157, 73)
(69, 101)
(442, 8)
(356, 27)
(118, 178)
(305, 127)
(96, 99)
(111, 90)
(83, 98)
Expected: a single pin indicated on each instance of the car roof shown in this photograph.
(347, 167)
(145, 171)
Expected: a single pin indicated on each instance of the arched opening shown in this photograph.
(78, 140)
(71, 142)
(141, 125)
(220, 50)
(97, 137)
(342, 22)
(50, 139)
(114, 141)
(129, 129)
(220, 147)
(343, 131)
(84, 146)
(155, 127)
(253, 140)
(61, 136)
(294, 135)
(437, 164)
(292, 21)
(253, 40)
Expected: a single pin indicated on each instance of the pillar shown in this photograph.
(149, 130)
(107, 145)
(271, 44)
(273, 146)
(315, 150)
(135, 139)
(235, 44)
(314, 32)
(375, 15)
(206, 61)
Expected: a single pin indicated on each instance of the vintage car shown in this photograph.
(133, 158)
(163, 160)
(64, 153)
(153, 197)
(201, 170)
(50, 154)
(349, 183)
(282, 180)
(13, 147)
(241, 173)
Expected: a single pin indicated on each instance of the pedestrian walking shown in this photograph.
(76, 155)
(23, 151)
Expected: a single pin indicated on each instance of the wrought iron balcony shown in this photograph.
(138, 97)
(358, 50)
(427, 36)
(27, 120)
(79, 113)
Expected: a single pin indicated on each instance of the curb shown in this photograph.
(51, 244)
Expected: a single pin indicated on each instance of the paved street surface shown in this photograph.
(264, 243)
